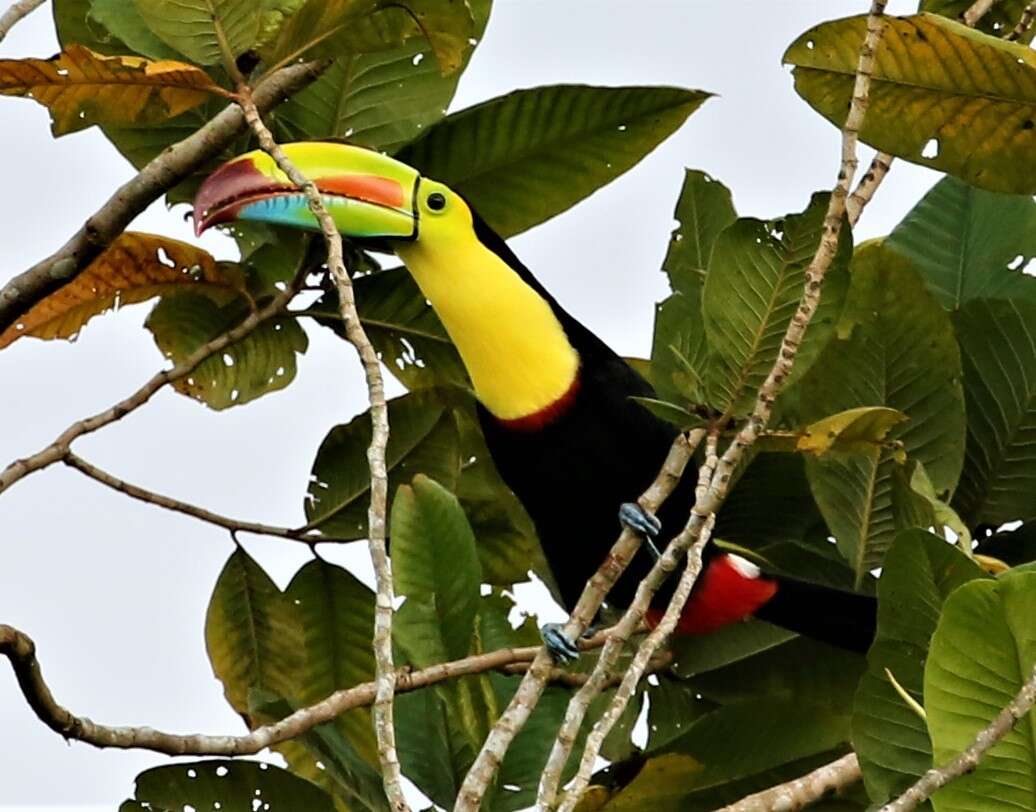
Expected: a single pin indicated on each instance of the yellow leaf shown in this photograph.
(81, 87)
(133, 269)
(860, 429)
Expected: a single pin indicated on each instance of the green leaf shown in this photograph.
(203, 30)
(942, 95)
(336, 614)
(673, 706)
(73, 23)
(225, 784)
(679, 350)
(983, 650)
(704, 209)
(125, 22)
(434, 562)
(252, 636)
(423, 440)
(671, 413)
(969, 244)
(920, 571)
(756, 278)
(999, 355)
(696, 654)
(898, 352)
(522, 158)
(1000, 19)
(260, 363)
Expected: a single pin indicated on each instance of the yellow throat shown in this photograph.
(513, 346)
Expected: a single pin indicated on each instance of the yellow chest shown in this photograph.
(513, 346)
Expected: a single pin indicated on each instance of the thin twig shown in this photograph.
(710, 497)
(59, 449)
(967, 761)
(162, 173)
(385, 671)
(804, 791)
(152, 498)
(21, 651)
(867, 186)
(1024, 23)
(976, 12)
(531, 688)
(10, 18)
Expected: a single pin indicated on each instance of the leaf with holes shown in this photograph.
(260, 363)
(423, 440)
(998, 20)
(756, 278)
(898, 352)
(134, 268)
(224, 784)
(998, 348)
(704, 209)
(522, 158)
(920, 571)
(381, 100)
(982, 652)
(252, 635)
(205, 31)
(968, 243)
(942, 95)
(82, 88)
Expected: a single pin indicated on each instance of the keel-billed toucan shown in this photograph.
(554, 402)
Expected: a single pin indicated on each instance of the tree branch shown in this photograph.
(518, 711)
(1024, 23)
(163, 172)
(867, 186)
(233, 525)
(376, 516)
(18, 11)
(802, 792)
(21, 651)
(60, 448)
(976, 11)
(967, 761)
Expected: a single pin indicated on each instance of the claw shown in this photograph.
(637, 519)
(560, 647)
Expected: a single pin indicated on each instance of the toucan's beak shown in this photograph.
(369, 195)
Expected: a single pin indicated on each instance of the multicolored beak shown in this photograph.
(369, 195)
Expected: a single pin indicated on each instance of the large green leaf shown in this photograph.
(252, 635)
(679, 350)
(920, 571)
(696, 654)
(1001, 17)
(203, 29)
(422, 440)
(983, 650)
(380, 100)
(900, 353)
(756, 278)
(998, 348)
(968, 243)
(942, 95)
(434, 562)
(233, 786)
(260, 363)
(704, 209)
(73, 23)
(125, 22)
(336, 614)
(522, 158)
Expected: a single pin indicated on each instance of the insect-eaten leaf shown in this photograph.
(264, 361)
(82, 88)
(134, 268)
(855, 431)
(704, 209)
(942, 95)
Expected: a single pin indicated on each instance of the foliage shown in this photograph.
(910, 410)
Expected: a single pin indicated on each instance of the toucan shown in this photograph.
(556, 405)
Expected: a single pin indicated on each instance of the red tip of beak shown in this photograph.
(225, 190)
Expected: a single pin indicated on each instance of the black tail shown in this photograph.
(842, 619)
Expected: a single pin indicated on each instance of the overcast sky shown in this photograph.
(114, 591)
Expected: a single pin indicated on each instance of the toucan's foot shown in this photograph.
(560, 647)
(638, 520)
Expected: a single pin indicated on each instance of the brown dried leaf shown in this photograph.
(134, 268)
(81, 87)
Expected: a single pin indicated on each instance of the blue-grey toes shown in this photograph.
(638, 520)
(560, 647)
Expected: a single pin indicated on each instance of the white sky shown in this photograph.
(114, 591)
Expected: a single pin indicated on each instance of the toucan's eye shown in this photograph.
(436, 201)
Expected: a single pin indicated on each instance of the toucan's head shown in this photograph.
(370, 196)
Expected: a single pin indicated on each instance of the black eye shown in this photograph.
(437, 201)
